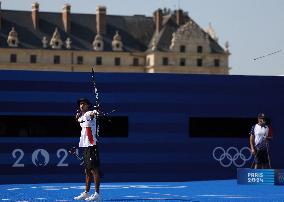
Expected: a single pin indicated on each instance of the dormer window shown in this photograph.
(98, 43)
(56, 42)
(13, 40)
(117, 42)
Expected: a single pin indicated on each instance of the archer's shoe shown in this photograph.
(82, 196)
(93, 197)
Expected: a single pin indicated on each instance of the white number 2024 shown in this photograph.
(19, 154)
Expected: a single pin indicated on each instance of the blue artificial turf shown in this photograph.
(221, 190)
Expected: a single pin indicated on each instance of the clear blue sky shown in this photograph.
(253, 27)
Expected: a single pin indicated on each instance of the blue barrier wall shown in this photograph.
(158, 106)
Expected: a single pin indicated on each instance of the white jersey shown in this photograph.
(260, 134)
(88, 132)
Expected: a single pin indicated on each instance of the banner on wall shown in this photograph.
(249, 176)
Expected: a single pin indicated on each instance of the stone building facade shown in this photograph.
(167, 42)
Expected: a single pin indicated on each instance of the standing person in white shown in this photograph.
(88, 141)
(260, 134)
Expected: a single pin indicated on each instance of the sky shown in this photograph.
(253, 28)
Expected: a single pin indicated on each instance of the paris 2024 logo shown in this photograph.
(40, 157)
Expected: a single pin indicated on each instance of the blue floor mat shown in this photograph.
(221, 190)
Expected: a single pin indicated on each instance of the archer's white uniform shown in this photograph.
(88, 132)
(260, 134)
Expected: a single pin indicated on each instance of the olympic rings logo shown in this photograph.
(232, 156)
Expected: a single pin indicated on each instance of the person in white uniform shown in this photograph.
(260, 134)
(88, 141)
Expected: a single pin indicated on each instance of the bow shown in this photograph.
(97, 104)
(95, 90)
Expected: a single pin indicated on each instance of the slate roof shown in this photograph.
(136, 31)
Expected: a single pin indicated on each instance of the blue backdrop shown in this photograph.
(158, 106)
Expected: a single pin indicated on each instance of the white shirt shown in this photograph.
(260, 133)
(88, 132)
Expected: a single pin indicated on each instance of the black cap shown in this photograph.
(85, 100)
(261, 116)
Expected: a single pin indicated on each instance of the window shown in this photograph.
(165, 61)
(182, 49)
(13, 58)
(199, 49)
(135, 62)
(182, 62)
(80, 60)
(56, 59)
(99, 61)
(199, 62)
(217, 63)
(33, 59)
(116, 61)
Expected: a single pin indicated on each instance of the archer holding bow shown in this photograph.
(88, 141)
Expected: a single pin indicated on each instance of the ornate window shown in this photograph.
(117, 42)
(98, 43)
(56, 42)
(13, 40)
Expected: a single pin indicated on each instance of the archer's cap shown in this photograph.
(261, 115)
(85, 100)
